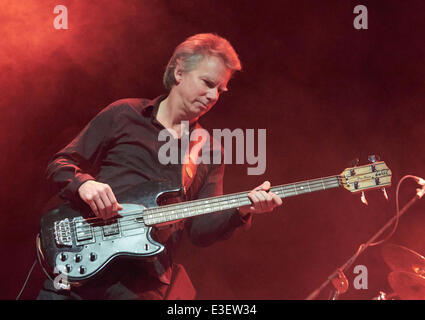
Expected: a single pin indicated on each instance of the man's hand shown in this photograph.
(262, 201)
(100, 198)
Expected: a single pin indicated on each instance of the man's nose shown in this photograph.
(212, 94)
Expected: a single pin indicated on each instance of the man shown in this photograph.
(119, 148)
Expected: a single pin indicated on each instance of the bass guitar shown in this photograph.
(79, 247)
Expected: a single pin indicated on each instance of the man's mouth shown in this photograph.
(204, 106)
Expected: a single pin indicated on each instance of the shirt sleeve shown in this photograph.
(75, 163)
(206, 229)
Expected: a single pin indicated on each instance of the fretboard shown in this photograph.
(193, 208)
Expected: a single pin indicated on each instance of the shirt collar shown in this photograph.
(150, 109)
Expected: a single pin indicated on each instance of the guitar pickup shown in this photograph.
(84, 231)
(111, 230)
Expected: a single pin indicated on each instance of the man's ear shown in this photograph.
(178, 73)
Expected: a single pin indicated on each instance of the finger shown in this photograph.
(266, 185)
(107, 205)
(268, 203)
(93, 207)
(113, 201)
(253, 200)
(119, 207)
(89, 199)
(101, 207)
(276, 199)
(263, 200)
(257, 200)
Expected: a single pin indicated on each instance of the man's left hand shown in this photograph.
(262, 200)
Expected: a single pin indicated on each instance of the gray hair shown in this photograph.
(190, 52)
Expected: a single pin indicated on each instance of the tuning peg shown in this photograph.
(385, 193)
(363, 198)
(373, 158)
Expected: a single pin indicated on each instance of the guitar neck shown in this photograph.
(193, 208)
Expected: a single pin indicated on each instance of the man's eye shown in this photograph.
(209, 84)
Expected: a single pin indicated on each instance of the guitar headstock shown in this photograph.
(371, 176)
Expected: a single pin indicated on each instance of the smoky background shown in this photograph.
(326, 93)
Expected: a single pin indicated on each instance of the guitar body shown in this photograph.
(78, 246)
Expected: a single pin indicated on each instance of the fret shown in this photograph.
(301, 188)
(316, 185)
(290, 193)
(283, 191)
(225, 207)
(244, 202)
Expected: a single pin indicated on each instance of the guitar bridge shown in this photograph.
(62, 232)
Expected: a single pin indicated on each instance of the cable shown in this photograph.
(32, 268)
(26, 280)
(364, 246)
(418, 180)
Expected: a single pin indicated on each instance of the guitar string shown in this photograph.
(215, 208)
(131, 219)
(146, 211)
(213, 200)
(147, 214)
(122, 224)
(164, 208)
(279, 189)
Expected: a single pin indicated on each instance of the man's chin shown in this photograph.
(200, 110)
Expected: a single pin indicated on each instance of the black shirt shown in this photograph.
(120, 147)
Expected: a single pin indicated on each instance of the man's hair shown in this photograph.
(190, 52)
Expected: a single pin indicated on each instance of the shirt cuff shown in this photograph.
(245, 221)
(71, 190)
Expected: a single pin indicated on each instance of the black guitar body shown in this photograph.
(77, 245)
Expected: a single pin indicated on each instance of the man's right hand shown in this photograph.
(100, 198)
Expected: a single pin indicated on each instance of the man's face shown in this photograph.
(200, 88)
